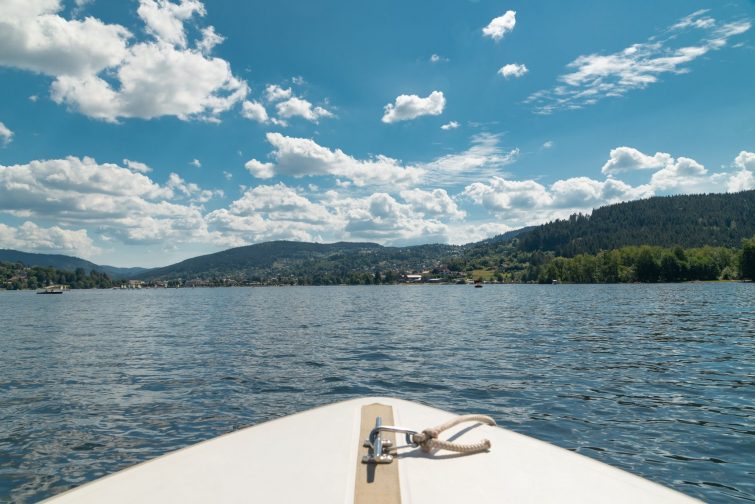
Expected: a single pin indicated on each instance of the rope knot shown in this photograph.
(428, 438)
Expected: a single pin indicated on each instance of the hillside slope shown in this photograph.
(64, 263)
(687, 221)
(268, 259)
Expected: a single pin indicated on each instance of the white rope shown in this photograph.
(428, 438)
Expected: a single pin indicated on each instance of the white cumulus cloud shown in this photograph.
(274, 92)
(627, 159)
(30, 237)
(500, 26)
(409, 107)
(96, 71)
(254, 111)
(450, 125)
(299, 107)
(165, 19)
(436, 203)
(301, 157)
(513, 70)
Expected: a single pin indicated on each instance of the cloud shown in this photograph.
(437, 58)
(435, 203)
(254, 111)
(31, 238)
(677, 175)
(409, 107)
(97, 73)
(585, 193)
(280, 202)
(524, 202)
(485, 158)
(209, 40)
(120, 203)
(500, 26)
(274, 92)
(683, 174)
(165, 20)
(450, 125)
(380, 217)
(6, 135)
(744, 179)
(299, 107)
(274, 212)
(33, 37)
(626, 159)
(301, 157)
(155, 80)
(513, 70)
(196, 163)
(259, 169)
(190, 189)
(123, 204)
(745, 160)
(136, 166)
(549, 145)
(594, 77)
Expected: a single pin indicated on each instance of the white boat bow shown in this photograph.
(316, 457)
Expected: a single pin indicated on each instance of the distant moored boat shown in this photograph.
(53, 289)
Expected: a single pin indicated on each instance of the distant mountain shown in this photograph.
(686, 221)
(287, 258)
(65, 263)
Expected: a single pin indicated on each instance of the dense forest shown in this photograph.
(719, 220)
(16, 276)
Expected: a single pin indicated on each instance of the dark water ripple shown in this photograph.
(658, 380)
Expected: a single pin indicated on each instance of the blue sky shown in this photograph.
(143, 132)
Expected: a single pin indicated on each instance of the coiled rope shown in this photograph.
(428, 438)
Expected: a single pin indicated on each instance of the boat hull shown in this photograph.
(314, 457)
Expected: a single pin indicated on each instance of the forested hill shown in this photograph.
(285, 258)
(668, 221)
(64, 263)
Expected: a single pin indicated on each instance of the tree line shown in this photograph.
(649, 264)
(16, 276)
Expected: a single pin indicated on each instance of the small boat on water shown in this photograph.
(53, 289)
(478, 284)
(370, 450)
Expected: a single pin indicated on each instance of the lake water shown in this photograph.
(655, 379)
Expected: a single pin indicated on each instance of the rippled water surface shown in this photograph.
(655, 379)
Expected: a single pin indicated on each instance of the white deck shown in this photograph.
(310, 457)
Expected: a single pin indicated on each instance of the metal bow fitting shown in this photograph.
(379, 448)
